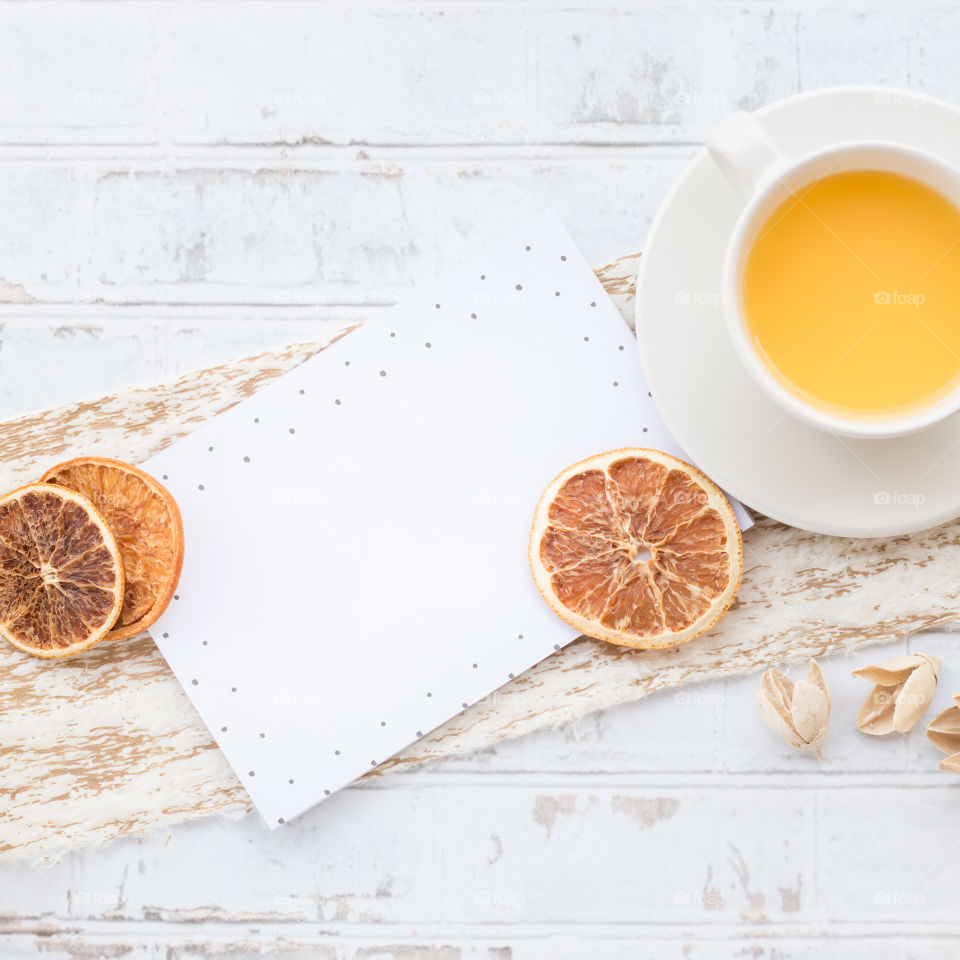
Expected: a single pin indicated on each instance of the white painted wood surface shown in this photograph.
(185, 182)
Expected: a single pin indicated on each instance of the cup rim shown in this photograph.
(877, 427)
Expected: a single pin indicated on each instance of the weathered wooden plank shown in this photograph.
(463, 73)
(44, 204)
(335, 232)
(464, 854)
(905, 878)
(603, 943)
(289, 73)
(506, 74)
(332, 231)
(476, 853)
(78, 73)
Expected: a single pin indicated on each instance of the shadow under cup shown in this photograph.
(787, 180)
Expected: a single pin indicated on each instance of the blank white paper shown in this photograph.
(356, 531)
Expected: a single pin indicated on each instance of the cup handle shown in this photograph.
(743, 153)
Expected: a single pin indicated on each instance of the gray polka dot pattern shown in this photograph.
(536, 297)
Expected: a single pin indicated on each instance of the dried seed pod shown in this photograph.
(944, 733)
(951, 764)
(798, 713)
(904, 690)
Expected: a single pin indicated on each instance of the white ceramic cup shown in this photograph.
(747, 158)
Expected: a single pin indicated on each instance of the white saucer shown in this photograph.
(772, 462)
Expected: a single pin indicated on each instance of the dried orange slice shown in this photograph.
(145, 519)
(636, 547)
(61, 576)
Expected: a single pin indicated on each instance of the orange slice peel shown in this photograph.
(146, 522)
(637, 548)
(61, 574)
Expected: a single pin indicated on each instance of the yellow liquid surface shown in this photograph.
(851, 293)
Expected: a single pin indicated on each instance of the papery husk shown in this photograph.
(774, 707)
(951, 764)
(876, 714)
(943, 731)
(798, 713)
(893, 671)
(780, 688)
(811, 707)
(904, 689)
(915, 695)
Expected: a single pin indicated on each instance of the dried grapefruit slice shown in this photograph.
(145, 519)
(61, 576)
(636, 547)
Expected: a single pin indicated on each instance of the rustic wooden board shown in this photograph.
(101, 746)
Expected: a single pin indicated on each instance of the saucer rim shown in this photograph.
(759, 504)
